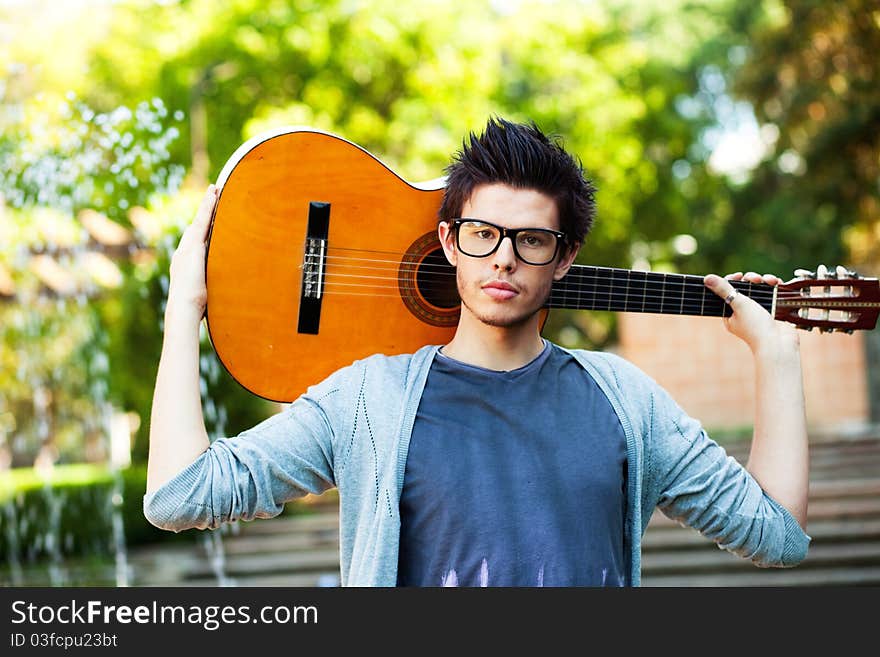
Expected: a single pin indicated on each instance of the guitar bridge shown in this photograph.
(313, 267)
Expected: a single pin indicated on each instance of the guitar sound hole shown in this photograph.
(435, 279)
(426, 282)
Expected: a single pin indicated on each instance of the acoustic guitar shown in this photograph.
(319, 254)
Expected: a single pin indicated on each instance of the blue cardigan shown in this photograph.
(352, 431)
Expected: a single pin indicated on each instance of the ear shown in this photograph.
(566, 261)
(447, 241)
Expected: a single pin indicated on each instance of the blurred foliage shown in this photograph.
(809, 72)
(69, 512)
(408, 86)
(813, 73)
(643, 92)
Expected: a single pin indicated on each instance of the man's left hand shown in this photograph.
(749, 321)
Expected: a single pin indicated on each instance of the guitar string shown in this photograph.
(567, 295)
(695, 293)
(398, 256)
(649, 308)
(562, 293)
(569, 280)
(419, 255)
(597, 304)
(444, 269)
(603, 292)
(558, 296)
(572, 279)
(598, 299)
(578, 277)
(833, 282)
(685, 310)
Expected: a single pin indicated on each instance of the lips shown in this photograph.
(500, 290)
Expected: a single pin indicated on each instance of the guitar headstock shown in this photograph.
(829, 301)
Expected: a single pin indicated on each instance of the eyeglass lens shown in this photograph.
(478, 239)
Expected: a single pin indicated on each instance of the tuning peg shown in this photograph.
(825, 329)
(804, 273)
(804, 328)
(847, 331)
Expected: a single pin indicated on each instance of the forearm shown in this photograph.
(779, 457)
(177, 426)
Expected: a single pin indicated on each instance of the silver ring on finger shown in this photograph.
(730, 297)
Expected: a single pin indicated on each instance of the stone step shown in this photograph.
(322, 560)
(863, 553)
(820, 457)
(822, 509)
(699, 553)
(319, 520)
(656, 538)
(310, 580)
(282, 542)
(838, 531)
(862, 486)
(832, 498)
(818, 446)
(778, 577)
(844, 467)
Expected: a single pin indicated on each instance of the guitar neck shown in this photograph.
(624, 290)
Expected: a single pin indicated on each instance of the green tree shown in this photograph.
(813, 72)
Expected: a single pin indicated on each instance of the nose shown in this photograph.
(505, 257)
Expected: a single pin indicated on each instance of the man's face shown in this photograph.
(476, 277)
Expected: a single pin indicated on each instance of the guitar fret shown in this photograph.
(595, 282)
(610, 289)
(663, 293)
(585, 294)
(681, 305)
(597, 291)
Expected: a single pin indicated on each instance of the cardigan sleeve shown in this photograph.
(253, 474)
(699, 485)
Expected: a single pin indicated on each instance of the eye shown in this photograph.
(533, 240)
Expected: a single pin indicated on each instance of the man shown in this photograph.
(498, 459)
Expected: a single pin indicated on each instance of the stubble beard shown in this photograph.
(514, 321)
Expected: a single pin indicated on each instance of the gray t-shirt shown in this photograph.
(514, 479)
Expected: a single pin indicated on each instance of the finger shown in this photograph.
(752, 277)
(735, 276)
(723, 288)
(206, 207)
(198, 229)
(771, 279)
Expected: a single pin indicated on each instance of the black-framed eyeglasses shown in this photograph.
(480, 239)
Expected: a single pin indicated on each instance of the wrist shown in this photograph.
(179, 313)
(777, 348)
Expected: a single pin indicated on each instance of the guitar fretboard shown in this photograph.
(624, 290)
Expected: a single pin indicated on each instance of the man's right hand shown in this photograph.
(187, 292)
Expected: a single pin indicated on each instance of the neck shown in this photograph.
(500, 348)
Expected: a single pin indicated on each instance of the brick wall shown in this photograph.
(710, 372)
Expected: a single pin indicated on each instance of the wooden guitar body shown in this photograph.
(256, 251)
